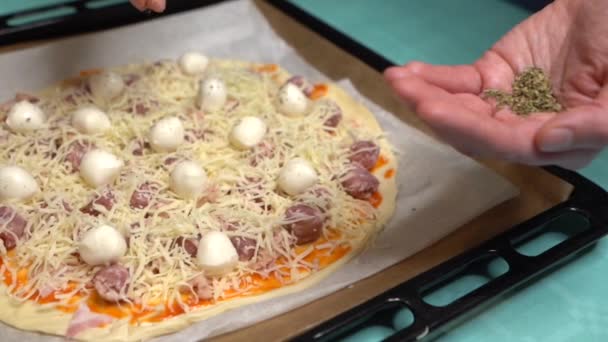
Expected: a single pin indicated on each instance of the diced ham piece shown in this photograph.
(190, 245)
(5, 106)
(252, 188)
(141, 109)
(211, 195)
(52, 145)
(360, 183)
(302, 83)
(245, 247)
(78, 92)
(64, 204)
(12, 227)
(331, 112)
(202, 287)
(193, 135)
(264, 260)
(26, 97)
(304, 222)
(364, 153)
(142, 196)
(105, 199)
(46, 290)
(170, 160)
(111, 282)
(76, 152)
(196, 114)
(130, 79)
(4, 134)
(321, 195)
(138, 147)
(231, 105)
(263, 150)
(84, 319)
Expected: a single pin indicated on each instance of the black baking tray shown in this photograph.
(587, 199)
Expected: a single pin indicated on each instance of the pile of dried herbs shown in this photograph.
(532, 92)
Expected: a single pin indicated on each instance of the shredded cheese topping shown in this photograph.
(242, 198)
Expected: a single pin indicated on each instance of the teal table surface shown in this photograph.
(567, 305)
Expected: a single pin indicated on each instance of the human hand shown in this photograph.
(568, 40)
(153, 5)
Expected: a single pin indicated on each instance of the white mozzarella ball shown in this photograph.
(193, 63)
(167, 134)
(106, 85)
(16, 183)
(102, 245)
(292, 101)
(188, 179)
(212, 94)
(99, 167)
(216, 254)
(248, 132)
(90, 120)
(296, 176)
(25, 117)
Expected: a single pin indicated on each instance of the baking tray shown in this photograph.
(547, 194)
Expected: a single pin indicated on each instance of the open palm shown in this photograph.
(568, 40)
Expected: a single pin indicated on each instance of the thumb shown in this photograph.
(584, 127)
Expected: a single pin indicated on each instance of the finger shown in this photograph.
(139, 4)
(414, 90)
(580, 128)
(480, 135)
(495, 71)
(474, 103)
(157, 5)
(454, 79)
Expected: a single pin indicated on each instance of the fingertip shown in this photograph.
(404, 85)
(394, 73)
(413, 89)
(157, 5)
(413, 68)
(140, 5)
(586, 127)
(555, 140)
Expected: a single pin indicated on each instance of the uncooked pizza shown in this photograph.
(138, 200)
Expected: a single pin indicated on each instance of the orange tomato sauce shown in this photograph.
(270, 68)
(382, 161)
(376, 199)
(89, 72)
(256, 285)
(318, 91)
(389, 173)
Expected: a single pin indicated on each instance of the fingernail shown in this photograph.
(556, 140)
(395, 73)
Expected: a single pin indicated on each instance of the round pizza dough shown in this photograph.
(31, 316)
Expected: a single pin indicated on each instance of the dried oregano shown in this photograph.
(532, 92)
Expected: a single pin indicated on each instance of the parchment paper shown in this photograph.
(439, 189)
